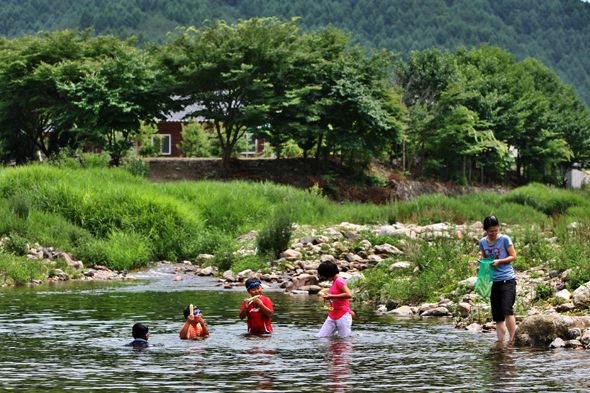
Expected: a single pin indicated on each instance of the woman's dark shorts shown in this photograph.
(502, 299)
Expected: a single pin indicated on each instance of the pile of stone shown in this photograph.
(49, 255)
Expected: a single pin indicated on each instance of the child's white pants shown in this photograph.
(342, 325)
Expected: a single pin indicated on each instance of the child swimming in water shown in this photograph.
(194, 327)
(257, 308)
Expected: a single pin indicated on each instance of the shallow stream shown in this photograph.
(69, 336)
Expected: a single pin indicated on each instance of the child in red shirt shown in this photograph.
(194, 327)
(258, 310)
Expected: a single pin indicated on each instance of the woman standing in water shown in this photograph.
(500, 248)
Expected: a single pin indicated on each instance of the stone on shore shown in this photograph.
(405, 311)
(542, 329)
(387, 249)
(208, 271)
(436, 312)
(470, 282)
(582, 296)
(464, 309)
(557, 343)
(327, 258)
(291, 255)
(399, 266)
(564, 294)
(177, 278)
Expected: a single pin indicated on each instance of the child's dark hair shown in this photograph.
(140, 330)
(250, 281)
(490, 221)
(328, 269)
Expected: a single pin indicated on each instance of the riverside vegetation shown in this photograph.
(111, 217)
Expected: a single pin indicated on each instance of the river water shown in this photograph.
(69, 336)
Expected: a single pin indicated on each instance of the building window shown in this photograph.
(251, 145)
(166, 144)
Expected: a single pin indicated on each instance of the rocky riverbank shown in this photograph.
(62, 266)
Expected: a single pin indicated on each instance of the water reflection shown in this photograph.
(339, 364)
(502, 368)
(70, 337)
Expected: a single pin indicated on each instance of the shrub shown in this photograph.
(274, 237)
(543, 291)
(20, 206)
(137, 167)
(20, 270)
(16, 244)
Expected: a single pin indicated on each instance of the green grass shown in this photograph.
(20, 270)
(112, 217)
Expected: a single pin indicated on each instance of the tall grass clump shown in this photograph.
(275, 235)
(20, 270)
(546, 199)
(574, 252)
(439, 269)
(118, 250)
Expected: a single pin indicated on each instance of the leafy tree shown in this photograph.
(195, 140)
(113, 96)
(229, 70)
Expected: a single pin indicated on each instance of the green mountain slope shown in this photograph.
(557, 32)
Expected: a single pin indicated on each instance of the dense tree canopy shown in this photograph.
(468, 115)
(555, 32)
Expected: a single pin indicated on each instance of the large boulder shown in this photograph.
(304, 280)
(582, 296)
(542, 329)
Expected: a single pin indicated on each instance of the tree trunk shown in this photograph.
(404, 156)
(422, 161)
(319, 150)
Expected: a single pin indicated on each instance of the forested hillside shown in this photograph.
(553, 31)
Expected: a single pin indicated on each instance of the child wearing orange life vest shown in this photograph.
(258, 309)
(194, 327)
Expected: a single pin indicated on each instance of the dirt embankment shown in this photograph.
(338, 182)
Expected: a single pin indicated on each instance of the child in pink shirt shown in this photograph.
(340, 316)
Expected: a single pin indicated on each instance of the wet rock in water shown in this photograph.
(464, 309)
(401, 311)
(189, 263)
(488, 327)
(582, 296)
(586, 338)
(564, 294)
(228, 275)
(382, 309)
(399, 266)
(227, 285)
(541, 329)
(177, 278)
(573, 334)
(303, 280)
(474, 327)
(426, 307)
(573, 344)
(436, 312)
(565, 307)
(557, 343)
(391, 305)
(207, 271)
(387, 249)
(245, 273)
